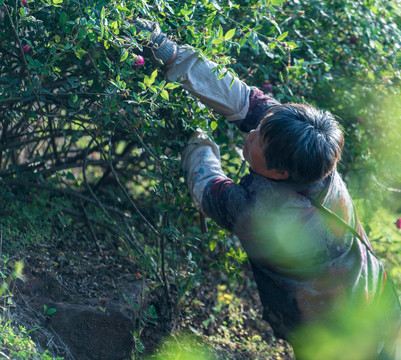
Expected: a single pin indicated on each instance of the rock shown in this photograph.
(89, 329)
(91, 333)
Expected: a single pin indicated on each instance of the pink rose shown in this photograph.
(139, 60)
(24, 2)
(398, 223)
(26, 48)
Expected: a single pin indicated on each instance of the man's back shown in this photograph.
(303, 261)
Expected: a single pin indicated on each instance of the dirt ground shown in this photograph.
(84, 305)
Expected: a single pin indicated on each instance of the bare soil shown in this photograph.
(102, 307)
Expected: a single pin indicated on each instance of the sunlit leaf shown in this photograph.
(229, 34)
(152, 77)
(217, 41)
(172, 85)
(282, 36)
(124, 56)
(164, 95)
(277, 2)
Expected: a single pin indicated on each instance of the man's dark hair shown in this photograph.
(303, 140)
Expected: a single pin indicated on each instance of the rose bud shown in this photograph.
(139, 60)
(353, 39)
(398, 223)
(24, 2)
(26, 48)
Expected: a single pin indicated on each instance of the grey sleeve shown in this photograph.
(228, 96)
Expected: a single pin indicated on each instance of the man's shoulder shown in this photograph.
(268, 193)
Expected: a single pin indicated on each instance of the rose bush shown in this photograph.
(81, 120)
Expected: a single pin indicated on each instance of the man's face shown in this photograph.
(253, 151)
(253, 154)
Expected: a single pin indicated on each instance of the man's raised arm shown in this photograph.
(243, 105)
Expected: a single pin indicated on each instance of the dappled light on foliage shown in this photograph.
(350, 332)
(185, 347)
(9, 275)
(291, 244)
(388, 142)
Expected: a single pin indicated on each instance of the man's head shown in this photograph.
(295, 142)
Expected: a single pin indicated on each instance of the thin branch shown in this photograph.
(93, 233)
(86, 181)
(1, 241)
(147, 222)
(162, 250)
(66, 192)
(53, 169)
(122, 157)
(153, 155)
(385, 187)
(24, 59)
(134, 242)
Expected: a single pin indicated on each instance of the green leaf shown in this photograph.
(82, 34)
(80, 53)
(220, 32)
(217, 41)
(272, 21)
(292, 45)
(371, 76)
(152, 78)
(216, 5)
(213, 244)
(222, 75)
(229, 34)
(282, 36)
(266, 49)
(153, 90)
(213, 125)
(70, 176)
(185, 11)
(164, 94)
(124, 55)
(277, 2)
(63, 18)
(172, 85)
(57, 1)
(34, 63)
(102, 17)
(242, 41)
(51, 311)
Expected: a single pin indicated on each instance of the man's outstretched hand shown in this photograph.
(157, 47)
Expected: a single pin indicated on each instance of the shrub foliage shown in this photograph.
(87, 134)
